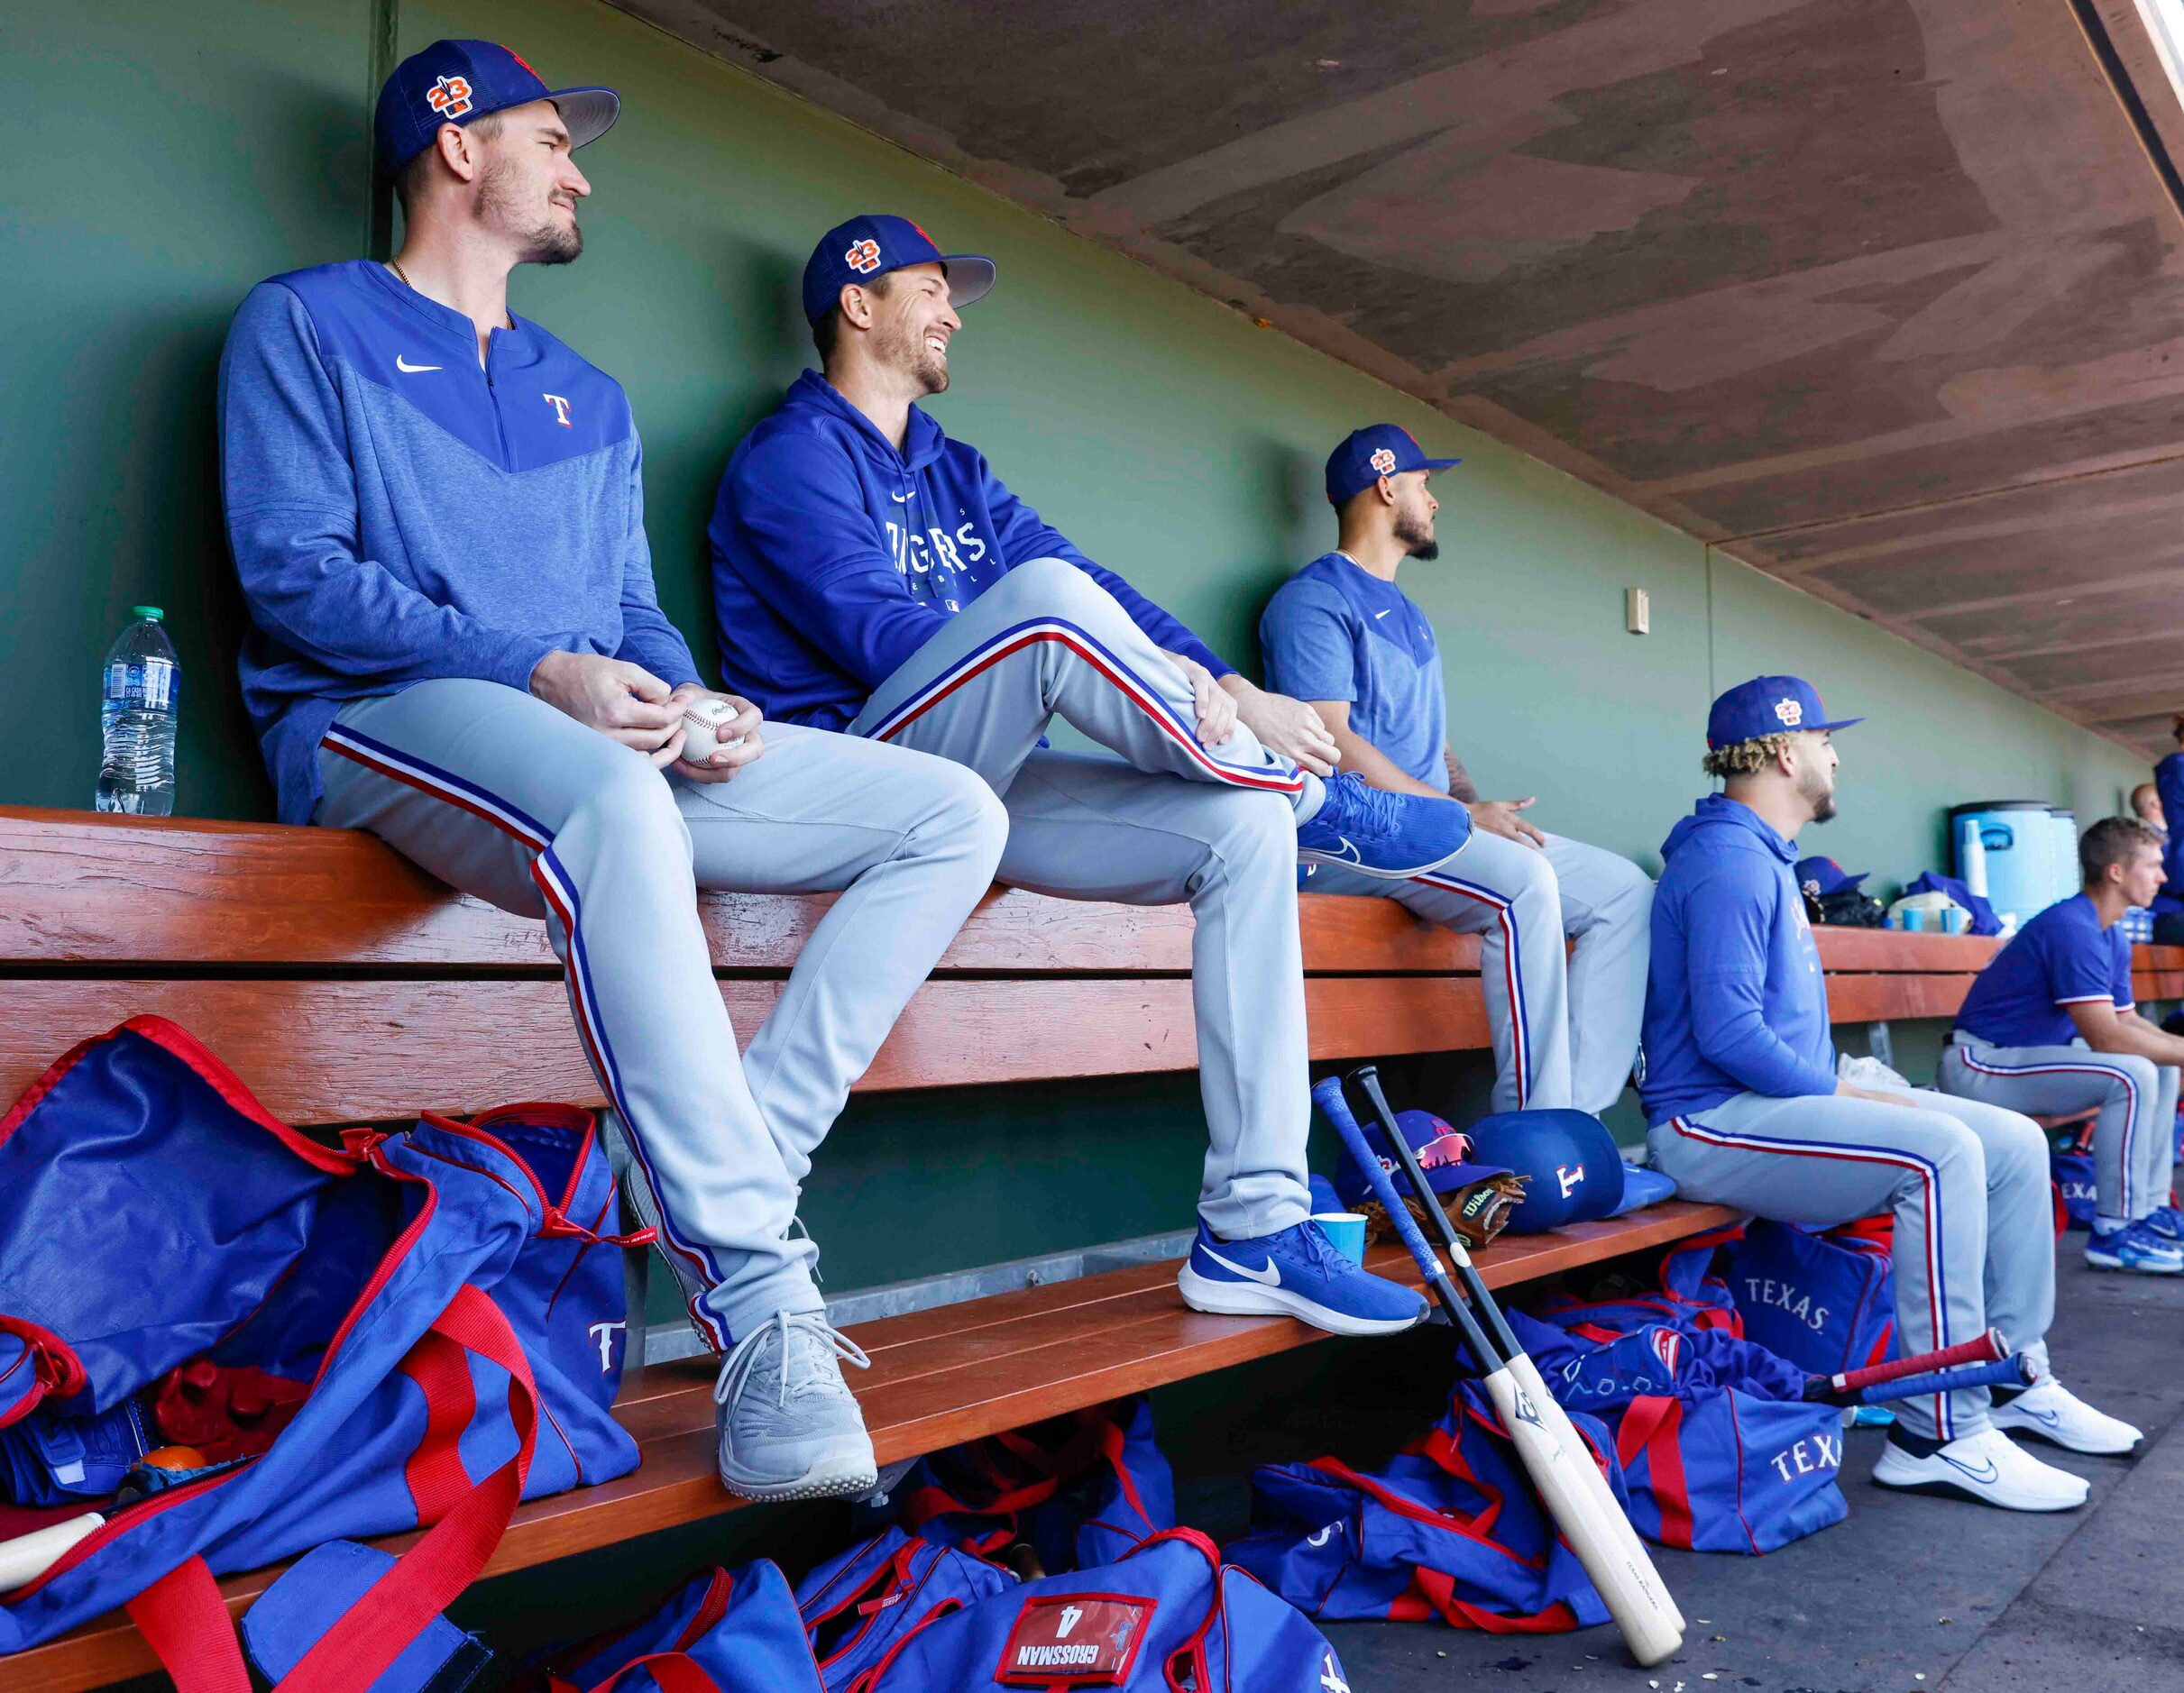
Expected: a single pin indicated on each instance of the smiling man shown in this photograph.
(436, 510)
(869, 573)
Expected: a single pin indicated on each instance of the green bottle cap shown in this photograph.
(152, 612)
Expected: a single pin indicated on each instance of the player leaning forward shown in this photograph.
(1741, 1091)
(436, 512)
(870, 573)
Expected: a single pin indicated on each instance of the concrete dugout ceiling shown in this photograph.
(1878, 296)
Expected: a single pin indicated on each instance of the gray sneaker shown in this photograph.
(790, 1428)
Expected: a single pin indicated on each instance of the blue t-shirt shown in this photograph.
(2061, 958)
(1335, 631)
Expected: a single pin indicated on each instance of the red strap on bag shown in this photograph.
(183, 1618)
(1652, 1425)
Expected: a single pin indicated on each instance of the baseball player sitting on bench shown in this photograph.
(1342, 636)
(1741, 1091)
(437, 513)
(868, 572)
(2049, 1028)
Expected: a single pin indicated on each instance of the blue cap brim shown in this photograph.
(587, 114)
(971, 277)
(1841, 723)
(1440, 464)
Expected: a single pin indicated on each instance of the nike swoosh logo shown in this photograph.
(1381, 613)
(407, 369)
(1268, 1276)
(900, 499)
(1985, 1473)
(1350, 853)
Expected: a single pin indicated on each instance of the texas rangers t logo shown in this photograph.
(1383, 460)
(449, 96)
(560, 410)
(1569, 1176)
(863, 257)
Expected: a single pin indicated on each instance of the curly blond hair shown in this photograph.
(1743, 758)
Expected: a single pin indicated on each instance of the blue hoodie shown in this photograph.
(836, 557)
(1735, 999)
(400, 513)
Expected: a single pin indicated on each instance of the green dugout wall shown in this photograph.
(165, 157)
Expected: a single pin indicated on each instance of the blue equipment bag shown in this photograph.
(1451, 1529)
(1081, 1489)
(857, 1607)
(1166, 1618)
(724, 1632)
(1718, 1448)
(1825, 1300)
(441, 1303)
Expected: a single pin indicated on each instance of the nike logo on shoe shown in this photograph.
(1349, 852)
(1268, 1274)
(1987, 1475)
(407, 369)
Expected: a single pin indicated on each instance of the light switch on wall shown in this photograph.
(1638, 611)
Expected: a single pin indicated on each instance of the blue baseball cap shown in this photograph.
(1571, 1170)
(875, 243)
(1769, 705)
(459, 82)
(1820, 877)
(1369, 453)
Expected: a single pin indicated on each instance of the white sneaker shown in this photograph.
(2049, 1411)
(1984, 1467)
(789, 1426)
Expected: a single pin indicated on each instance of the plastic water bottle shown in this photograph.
(1971, 856)
(138, 690)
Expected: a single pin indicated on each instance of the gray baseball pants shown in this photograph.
(1167, 820)
(1565, 1027)
(2135, 1136)
(1975, 1229)
(506, 798)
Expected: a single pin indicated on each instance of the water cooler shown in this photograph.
(2016, 838)
(2062, 853)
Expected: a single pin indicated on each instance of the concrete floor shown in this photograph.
(1910, 1595)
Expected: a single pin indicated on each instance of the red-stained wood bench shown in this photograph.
(344, 985)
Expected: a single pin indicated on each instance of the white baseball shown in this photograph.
(701, 727)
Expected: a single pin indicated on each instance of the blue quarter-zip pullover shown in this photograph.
(836, 557)
(1735, 999)
(399, 513)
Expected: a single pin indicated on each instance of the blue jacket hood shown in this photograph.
(812, 396)
(1719, 823)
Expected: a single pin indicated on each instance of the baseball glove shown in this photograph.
(1480, 1211)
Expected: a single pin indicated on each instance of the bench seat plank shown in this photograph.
(1054, 1349)
(341, 1051)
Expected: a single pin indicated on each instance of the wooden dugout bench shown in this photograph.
(342, 986)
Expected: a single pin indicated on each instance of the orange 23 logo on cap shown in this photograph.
(449, 96)
(1383, 460)
(863, 257)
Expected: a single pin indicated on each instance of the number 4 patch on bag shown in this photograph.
(1075, 1639)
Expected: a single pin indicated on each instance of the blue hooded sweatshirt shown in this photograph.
(400, 513)
(1735, 999)
(836, 557)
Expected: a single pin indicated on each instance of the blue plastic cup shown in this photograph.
(1915, 919)
(1953, 921)
(1346, 1232)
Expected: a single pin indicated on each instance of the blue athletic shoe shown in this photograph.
(1381, 834)
(2167, 1223)
(2134, 1247)
(1296, 1273)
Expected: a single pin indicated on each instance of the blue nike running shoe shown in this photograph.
(1381, 834)
(2133, 1248)
(1296, 1273)
(2167, 1223)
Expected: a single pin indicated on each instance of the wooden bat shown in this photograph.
(1367, 1077)
(25, 1558)
(1616, 1563)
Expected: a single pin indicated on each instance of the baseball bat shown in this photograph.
(1626, 1584)
(1989, 1348)
(2006, 1372)
(26, 1557)
(1521, 1363)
